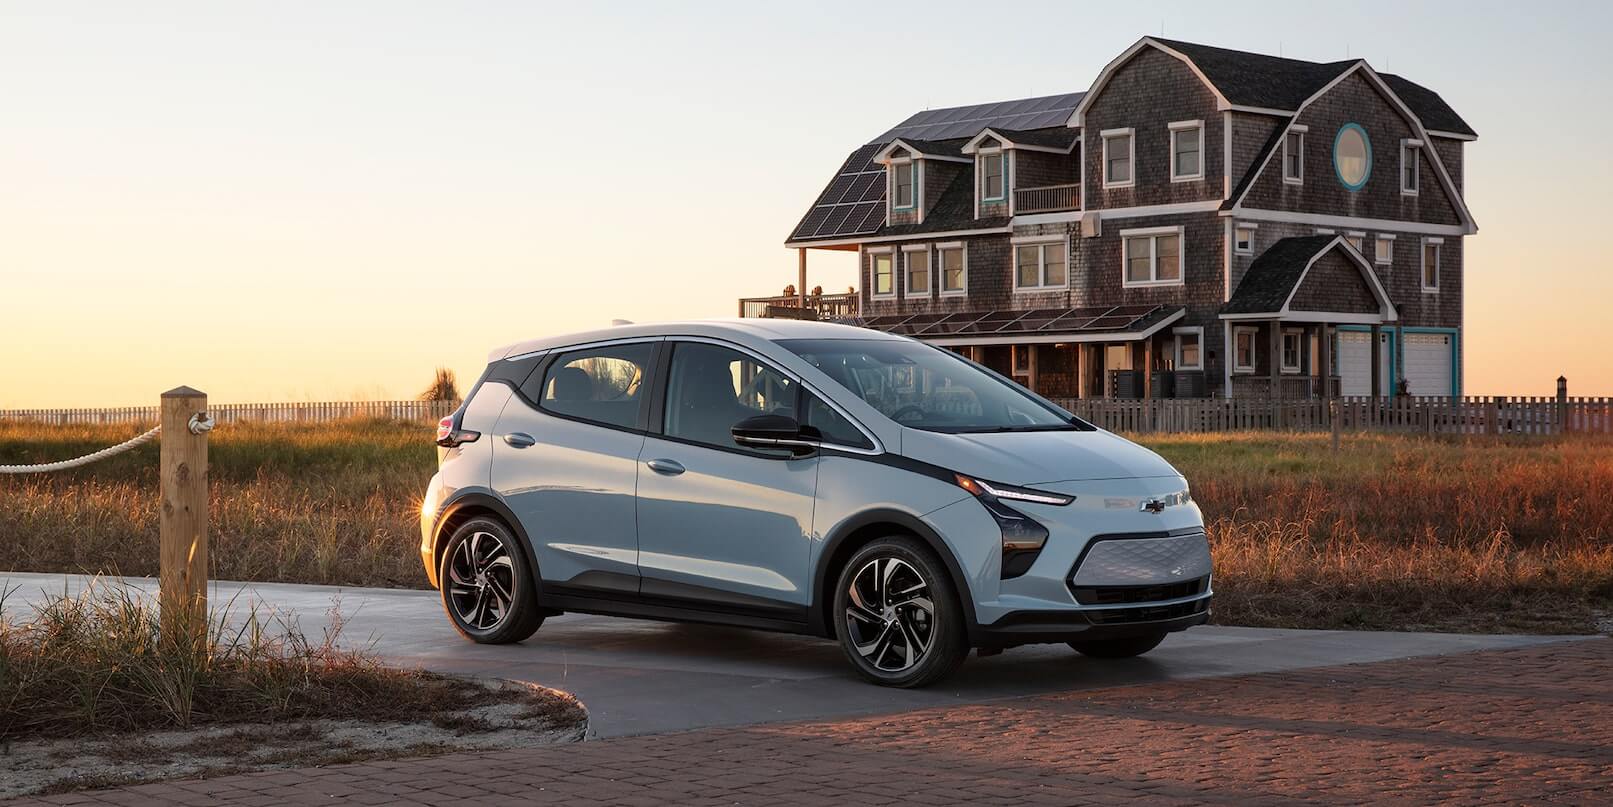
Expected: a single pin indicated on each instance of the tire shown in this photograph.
(488, 588)
(1128, 647)
(892, 616)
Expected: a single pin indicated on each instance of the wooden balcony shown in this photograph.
(1047, 199)
(818, 306)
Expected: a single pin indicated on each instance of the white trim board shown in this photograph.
(847, 242)
(1323, 220)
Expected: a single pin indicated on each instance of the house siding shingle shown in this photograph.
(1334, 284)
(1147, 94)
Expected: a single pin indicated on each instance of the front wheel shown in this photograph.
(487, 589)
(896, 615)
(1128, 647)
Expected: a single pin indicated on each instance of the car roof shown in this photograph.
(766, 329)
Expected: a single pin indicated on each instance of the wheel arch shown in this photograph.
(467, 505)
(857, 531)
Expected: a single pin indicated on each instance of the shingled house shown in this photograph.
(1201, 221)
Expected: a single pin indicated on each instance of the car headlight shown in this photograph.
(1023, 537)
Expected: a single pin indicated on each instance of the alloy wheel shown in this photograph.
(890, 615)
(481, 581)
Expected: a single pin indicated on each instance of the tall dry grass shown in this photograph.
(1390, 532)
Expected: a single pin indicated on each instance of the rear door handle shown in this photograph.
(519, 439)
(664, 466)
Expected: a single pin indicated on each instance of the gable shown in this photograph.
(1334, 283)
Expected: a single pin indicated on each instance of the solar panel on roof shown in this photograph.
(967, 121)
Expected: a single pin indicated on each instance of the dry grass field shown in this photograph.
(1483, 534)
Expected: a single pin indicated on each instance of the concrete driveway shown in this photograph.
(639, 677)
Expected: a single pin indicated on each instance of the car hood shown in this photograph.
(1032, 458)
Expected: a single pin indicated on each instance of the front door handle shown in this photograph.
(663, 466)
(519, 439)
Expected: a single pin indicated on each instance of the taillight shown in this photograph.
(450, 435)
(445, 427)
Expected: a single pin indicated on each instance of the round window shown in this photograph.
(1352, 156)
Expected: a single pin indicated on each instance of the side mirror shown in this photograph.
(773, 431)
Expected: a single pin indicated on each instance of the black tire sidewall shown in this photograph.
(951, 644)
(524, 617)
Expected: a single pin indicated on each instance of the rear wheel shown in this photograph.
(1128, 647)
(487, 587)
(897, 617)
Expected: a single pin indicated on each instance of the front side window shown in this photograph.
(832, 426)
(1039, 265)
(1294, 157)
(710, 388)
(881, 266)
(1431, 265)
(599, 385)
(1117, 158)
(1153, 258)
(991, 178)
(1410, 165)
(925, 387)
(902, 180)
(1243, 350)
(952, 279)
(1293, 346)
(918, 270)
(1187, 151)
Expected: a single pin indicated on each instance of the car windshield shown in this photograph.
(928, 388)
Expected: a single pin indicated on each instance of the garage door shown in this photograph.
(1428, 363)
(1355, 363)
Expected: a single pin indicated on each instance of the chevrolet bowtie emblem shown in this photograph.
(1152, 506)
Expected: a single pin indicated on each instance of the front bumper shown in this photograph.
(1040, 627)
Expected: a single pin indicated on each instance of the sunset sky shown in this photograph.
(299, 201)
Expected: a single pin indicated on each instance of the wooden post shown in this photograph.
(800, 271)
(1333, 415)
(1376, 363)
(1562, 404)
(183, 517)
(1325, 355)
(1148, 368)
(1275, 349)
(1083, 368)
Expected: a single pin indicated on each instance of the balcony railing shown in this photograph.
(818, 306)
(1047, 199)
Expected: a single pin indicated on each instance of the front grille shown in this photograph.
(1142, 561)
(1119, 595)
(1147, 613)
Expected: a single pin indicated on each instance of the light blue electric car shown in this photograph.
(806, 477)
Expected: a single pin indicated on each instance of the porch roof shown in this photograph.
(1117, 323)
(1268, 287)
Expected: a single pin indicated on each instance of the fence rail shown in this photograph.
(1428, 415)
(429, 411)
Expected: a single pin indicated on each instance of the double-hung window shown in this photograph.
(1294, 155)
(949, 258)
(1119, 149)
(1243, 239)
(1384, 251)
(1411, 156)
(884, 281)
(916, 259)
(1358, 240)
(1153, 256)
(1187, 150)
(1293, 349)
(1189, 345)
(993, 183)
(902, 185)
(1039, 266)
(1431, 250)
(1243, 349)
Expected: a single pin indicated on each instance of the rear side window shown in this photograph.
(603, 385)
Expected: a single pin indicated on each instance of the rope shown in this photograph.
(89, 458)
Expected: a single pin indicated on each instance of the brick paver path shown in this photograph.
(1532, 725)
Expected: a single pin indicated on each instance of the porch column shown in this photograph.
(1148, 368)
(1228, 357)
(1276, 357)
(1036, 376)
(1327, 364)
(1103, 367)
(800, 283)
(1082, 367)
(1377, 363)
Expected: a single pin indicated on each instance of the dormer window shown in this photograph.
(1119, 149)
(993, 177)
(902, 185)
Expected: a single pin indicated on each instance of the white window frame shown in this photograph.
(1254, 349)
(907, 273)
(1041, 262)
(1422, 264)
(873, 281)
(1110, 135)
(1182, 126)
(940, 284)
(1195, 331)
(914, 167)
(1300, 178)
(1323, 231)
(1299, 351)
(1253, 229)
(1153, 233)
(1414, 149)
(1381, 255)
(1357, 235)
(996, 153)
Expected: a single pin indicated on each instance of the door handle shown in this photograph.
(668, 467)
(519, 439)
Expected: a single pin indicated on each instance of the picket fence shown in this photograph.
(312, 412)
(1425, 414)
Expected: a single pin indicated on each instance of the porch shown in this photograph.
(816, 305)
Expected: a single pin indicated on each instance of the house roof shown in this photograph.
(1062, 138)
(1271, 278)
(953, 210)
(966, 121)
(927, 148)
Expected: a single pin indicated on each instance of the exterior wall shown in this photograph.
(1147, 94)
(1250, 134)
(1036, 169)
(1354, 100)
(988, 283)
(1334, 283)
(1450, 153)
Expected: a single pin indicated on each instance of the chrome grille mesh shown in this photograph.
(1144, 561)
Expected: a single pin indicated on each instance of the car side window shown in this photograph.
(832, 426)
(603, 385)
(710, 388)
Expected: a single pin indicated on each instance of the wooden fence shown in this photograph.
(1428, 415)
(426, 411)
